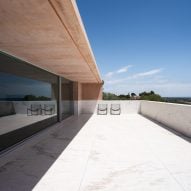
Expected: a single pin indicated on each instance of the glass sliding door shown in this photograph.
(28, 100)
(67, 105)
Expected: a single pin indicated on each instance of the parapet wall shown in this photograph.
(175, 116)
(90, 106)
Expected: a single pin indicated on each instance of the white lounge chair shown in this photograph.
(102, 109)
(115, 109)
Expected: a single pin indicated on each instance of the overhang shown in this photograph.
(50, 35)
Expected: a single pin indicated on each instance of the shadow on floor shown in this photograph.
(26, 170)
(188, 139)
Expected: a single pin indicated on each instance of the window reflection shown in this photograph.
(16, 88)
(28, 99)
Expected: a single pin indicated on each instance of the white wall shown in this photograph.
(90, 107)
(175, 116)
(77, 108)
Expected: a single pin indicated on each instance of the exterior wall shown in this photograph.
(92, 91)
(175, 116)
(85, 97)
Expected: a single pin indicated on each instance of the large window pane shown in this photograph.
(28, 100)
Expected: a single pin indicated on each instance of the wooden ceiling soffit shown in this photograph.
(50, 35)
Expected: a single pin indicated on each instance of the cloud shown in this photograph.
(109, 74)
(117, 81)
(124, 69)
(121, 70)
(147, 81)
(135, 76)
(148, 73)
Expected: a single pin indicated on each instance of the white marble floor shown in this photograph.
(101, 153)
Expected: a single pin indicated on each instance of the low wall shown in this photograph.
(90, 107)
(175, 116)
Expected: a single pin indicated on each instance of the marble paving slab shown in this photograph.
(102, 153)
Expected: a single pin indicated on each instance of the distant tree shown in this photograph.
(151, 96)
(43, 98)
(133, 94)
(143, 96)
(30, 98)
(109, 96)
(128, 96)
(36, 98)
(124, 97)
(147, 93)
(112, 96)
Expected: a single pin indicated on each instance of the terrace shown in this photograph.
(46, 59)
(94, 152)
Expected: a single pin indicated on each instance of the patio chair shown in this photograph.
(49, 109)
(35, 109)
(115, 109)
(102, 109)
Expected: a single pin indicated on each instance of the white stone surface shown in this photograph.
(113, 153)
(175, 116)
(77, 108)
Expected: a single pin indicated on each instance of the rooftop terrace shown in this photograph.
(91, 152)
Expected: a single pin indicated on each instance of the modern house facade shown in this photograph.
(52, 138)
(47, 66)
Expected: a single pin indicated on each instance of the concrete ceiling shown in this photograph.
(50, 35)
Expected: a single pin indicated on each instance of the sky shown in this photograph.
(141, 45)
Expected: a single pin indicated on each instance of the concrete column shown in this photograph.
(77, 96)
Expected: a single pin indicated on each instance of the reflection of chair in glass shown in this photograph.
(35, 109)
(115, 109)
(102, 109)
(49, 109)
